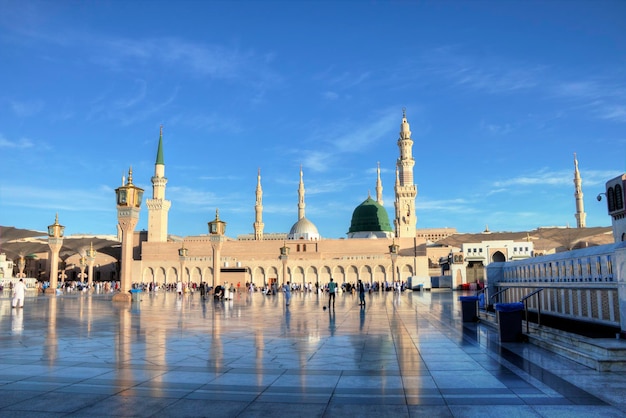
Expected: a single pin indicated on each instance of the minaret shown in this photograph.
(405, 189)
(258, 210)
(301, 197)
(158, 207)
(379, 187)
(578, 194)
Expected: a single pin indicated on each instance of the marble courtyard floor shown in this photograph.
(401, 356)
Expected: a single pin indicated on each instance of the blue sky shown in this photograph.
(499, 96)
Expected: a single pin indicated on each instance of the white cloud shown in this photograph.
(21, 143)
(616, 113)
(24, 109)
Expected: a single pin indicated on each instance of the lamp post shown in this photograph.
(284, 256)
(82, 262)
(393, 252)
(217, 229)
(21, 263)
(91, 258)
(182, 256)
(128, 199)
(55, 242)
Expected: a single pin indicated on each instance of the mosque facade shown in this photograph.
(376, 250)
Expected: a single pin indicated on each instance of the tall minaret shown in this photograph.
(258, 209)
(301, 197)
(578, 194)
(379, 187)
(158, 207)
(405, 189)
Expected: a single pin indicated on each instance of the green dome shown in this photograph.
(370, 216)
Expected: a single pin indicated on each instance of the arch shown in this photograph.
(378, 274)
(405, 270)
(171, 275)
(366, 274)
(148, 275)
(458, 278)
(258, 276)
(339, 274)
(498, 257)
(475, 272)
(272, 275)
(196, 275)
(351, 274)
(324, 275)
(160, 276)
(296, 275)
(310, 275)
(208, 275)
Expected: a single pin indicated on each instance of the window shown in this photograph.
(619, 198)
(610, 199)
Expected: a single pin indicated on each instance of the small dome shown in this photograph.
(370, 219)
(303, 229)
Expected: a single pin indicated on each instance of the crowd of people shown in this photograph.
(229, 290)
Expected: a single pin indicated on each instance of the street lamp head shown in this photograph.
(56, 230)
(216, 226)
(599, 197)
(91, 253)
(393, 248)
(129, 195)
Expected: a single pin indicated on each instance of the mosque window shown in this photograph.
(610, 199)
(303, 247)
(619, 198)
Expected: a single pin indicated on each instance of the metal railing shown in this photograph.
(498, 293)
(524, 300)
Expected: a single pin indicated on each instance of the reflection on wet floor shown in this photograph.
(166, 355)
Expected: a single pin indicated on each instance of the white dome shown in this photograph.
(304, 229)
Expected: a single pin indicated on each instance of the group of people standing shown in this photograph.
(332, 292)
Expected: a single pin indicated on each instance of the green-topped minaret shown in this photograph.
(158, 207)
(159, 159)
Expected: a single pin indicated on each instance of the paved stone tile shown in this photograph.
(81, 355)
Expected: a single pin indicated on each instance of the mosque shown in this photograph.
(375, 249)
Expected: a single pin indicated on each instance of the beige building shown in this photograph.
(369, 252)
